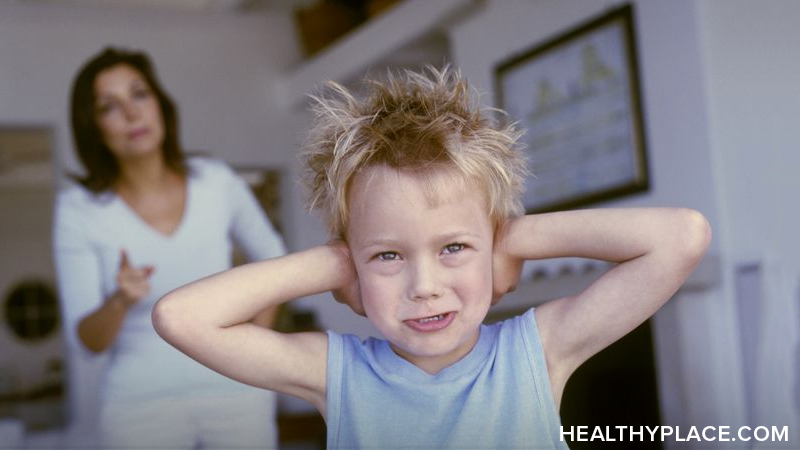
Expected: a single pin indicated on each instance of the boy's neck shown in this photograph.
(432, 365)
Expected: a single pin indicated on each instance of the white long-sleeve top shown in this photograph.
(89, 232)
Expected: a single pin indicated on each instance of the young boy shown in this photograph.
(422, 190)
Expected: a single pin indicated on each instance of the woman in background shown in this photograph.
(142, 221)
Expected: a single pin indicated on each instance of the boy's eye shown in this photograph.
(388, 256)
(453, 248)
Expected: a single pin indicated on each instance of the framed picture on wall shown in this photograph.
(577, 97)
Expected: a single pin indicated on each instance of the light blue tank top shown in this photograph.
(497, 397)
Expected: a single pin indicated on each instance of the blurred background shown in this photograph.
(720, 95)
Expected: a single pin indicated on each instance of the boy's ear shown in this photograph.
(341, 236)
(499, 229)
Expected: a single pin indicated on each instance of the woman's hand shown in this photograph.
(349, 293)
(506, 268)
(98, 330)
(133, 283)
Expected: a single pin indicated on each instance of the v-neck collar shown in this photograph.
(394, 365)
(187, 207)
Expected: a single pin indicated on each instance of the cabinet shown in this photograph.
(409, 35)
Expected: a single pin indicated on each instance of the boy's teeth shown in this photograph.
(431, 319)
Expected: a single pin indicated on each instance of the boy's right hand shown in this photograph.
(133, 283)
(506, 268)
(349, 293)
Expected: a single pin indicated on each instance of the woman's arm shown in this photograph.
(91, 321)
(99, 329)
(209, 320)
(655, 248)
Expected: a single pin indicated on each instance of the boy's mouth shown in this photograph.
(431, 323)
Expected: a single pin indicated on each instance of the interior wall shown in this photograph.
(216, 66)
(697, 360)
(754, 103)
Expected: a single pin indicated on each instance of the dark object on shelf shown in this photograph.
(31, 310)
(375, 8)
(43, 392)
(324, 22)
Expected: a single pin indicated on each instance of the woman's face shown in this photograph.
(128, 113)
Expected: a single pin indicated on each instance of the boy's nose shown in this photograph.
(424, 283)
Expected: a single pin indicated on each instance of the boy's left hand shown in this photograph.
(349, 293)
(506, 268)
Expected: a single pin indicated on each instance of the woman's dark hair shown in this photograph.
(101, 165)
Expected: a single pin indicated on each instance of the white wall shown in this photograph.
(697, 362)
(753, 79)
(722, 98)
(217, 67)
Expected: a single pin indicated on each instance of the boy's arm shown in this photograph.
(209, 320)
(656, 248)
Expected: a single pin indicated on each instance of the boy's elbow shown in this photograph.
(166, 318)
(697, 235)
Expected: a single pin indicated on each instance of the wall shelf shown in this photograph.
(572, 277)
(393, 37)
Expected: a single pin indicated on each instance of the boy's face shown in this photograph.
(425, 272)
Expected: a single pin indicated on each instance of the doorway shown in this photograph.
(616, 387)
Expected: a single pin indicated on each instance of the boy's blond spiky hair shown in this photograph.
(418, 121)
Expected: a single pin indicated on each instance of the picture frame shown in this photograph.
(578, 99)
